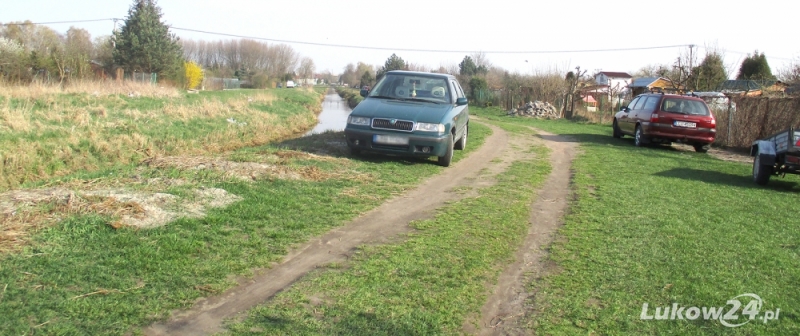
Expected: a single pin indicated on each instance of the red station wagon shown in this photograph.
(666, 118)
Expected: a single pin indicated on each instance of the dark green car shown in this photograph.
(411, 113)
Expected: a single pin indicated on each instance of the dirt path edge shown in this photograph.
(502, 311)
(379, 225)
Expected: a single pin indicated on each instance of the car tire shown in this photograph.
(447, 158)
(761, 173)
(355, 151)
(462, 143)
(639, 138)
(701, 148)
(617, 133)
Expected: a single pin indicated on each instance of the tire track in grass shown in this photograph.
(379, 225)
(431, 282)
(507, 302)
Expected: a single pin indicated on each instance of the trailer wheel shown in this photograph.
(761, 173)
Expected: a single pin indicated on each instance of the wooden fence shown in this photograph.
(755, 117)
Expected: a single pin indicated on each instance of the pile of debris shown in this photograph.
(536, 109)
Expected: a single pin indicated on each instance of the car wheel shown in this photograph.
(701, 148)
(462, 143)
(617, 132)
(639, 138)
(761, 173)
(445, 160)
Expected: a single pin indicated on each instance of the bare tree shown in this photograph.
(572, 93)
(78, 49)
(680, 75)
(307, 68)
(283, 59)
(349, 75)
(481, 62)
(417, 67)
(650, 70)
(790, 74)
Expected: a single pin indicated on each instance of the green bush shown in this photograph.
(260, 81)
(352, 96)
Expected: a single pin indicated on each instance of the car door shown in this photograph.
(634, 115)
(624, 117)
(460, 113)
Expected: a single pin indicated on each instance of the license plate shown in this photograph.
(390, 139)
(685, 124)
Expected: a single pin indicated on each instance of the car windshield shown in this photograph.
(684, 106)
(412, 87)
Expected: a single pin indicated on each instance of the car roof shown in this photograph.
(669, 95)
(420, 73)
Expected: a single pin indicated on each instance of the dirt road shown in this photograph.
(501, 312)
(389, 221)
(379, 225)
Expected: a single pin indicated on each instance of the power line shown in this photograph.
(428, 50)
(742, 53)
(404, 49)
(54, 22)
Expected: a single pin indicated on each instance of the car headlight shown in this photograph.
(358, 120)
(426, 127)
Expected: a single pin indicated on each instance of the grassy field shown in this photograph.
(663, 226)
(84, 276)
(46, 131)
(430, 283)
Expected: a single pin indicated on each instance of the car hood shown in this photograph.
(403, 110)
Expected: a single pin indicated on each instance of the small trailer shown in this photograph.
(776, 155)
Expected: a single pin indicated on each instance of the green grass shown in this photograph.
(428, 284)
(56, 134)
(144, 274)
(663, 226)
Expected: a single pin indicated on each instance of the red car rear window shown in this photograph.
(684, 106)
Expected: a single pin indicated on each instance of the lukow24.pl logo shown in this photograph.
(737, 312)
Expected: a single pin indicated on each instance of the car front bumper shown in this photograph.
(418, 144)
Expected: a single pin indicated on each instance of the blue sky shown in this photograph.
(496, 25)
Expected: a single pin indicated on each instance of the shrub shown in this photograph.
(260, 81)
(193, 75)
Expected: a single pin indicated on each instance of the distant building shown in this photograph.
(307, 81)
(616, 81)
(648, 84)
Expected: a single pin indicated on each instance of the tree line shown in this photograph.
(249, 59)
(29, 52)
(711, 72)
(143, 43)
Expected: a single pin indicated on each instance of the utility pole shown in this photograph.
(691, 68)
(113, 41)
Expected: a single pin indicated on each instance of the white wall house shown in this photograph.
(307, 81)
(617, 82)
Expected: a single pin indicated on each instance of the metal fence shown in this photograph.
(216, 83)
(142, 77)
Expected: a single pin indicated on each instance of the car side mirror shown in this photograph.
(363, 93)
(461, 101)
(625, 109)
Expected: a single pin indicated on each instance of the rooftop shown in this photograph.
(616, 74)
(745, 85)
(644, 81)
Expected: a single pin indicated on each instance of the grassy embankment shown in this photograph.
(352, 96)
(46, 131)
(661, 226)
